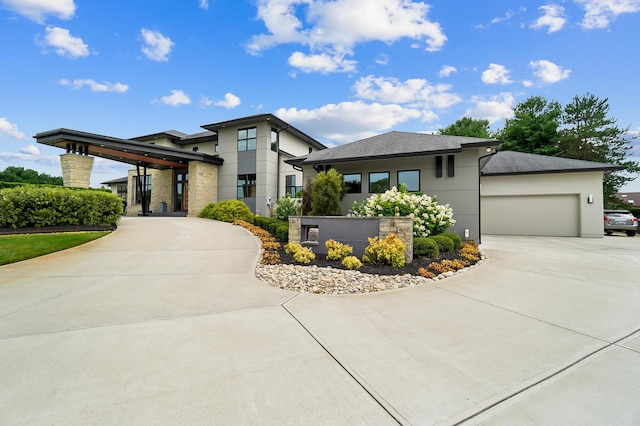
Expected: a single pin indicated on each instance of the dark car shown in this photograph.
(621, 221)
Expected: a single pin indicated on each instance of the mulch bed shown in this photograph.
(55, 229)
(368, 268)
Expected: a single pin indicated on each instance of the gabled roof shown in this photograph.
(275, 122)
(179, 138)
(115, 181)
(521, 163)
(393, 145)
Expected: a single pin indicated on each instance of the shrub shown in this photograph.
(304, 255)
(352, 262)
(292, 247)
(469, 251)
(425, 273)
(425, 247)
(282, 232)
(429, 217)
(326, 193)
(444, 243)
(337, 251)
(455, 238)
(287, 206)
(37, 206)
(389, 251)
(228, 211)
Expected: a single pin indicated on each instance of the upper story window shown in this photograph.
(274, 140)
(353, 183)
(247, 139)
(410, 178)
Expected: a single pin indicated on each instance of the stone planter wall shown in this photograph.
(314, 231)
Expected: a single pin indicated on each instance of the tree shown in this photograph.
(326, 193)
(466, 126)
(588, 133)
(22, 175)
(534, 128)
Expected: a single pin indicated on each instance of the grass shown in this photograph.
(14, 248)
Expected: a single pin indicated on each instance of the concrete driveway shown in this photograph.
(163, 322)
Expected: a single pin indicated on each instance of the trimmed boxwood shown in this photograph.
(444, 243)
(277, 228)
(40, 206)
(457, 241)
(228, 211)
(424, 247)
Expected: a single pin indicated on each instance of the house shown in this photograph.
(529, 194)
(633, 198)
(180, 173)
(446, 166)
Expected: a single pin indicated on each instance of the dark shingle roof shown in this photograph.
(394, 144)
(520, 163)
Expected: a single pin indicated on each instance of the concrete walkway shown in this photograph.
(163, 322)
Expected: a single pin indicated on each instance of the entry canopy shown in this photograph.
(123, 150)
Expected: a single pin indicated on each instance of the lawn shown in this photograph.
(14, 248)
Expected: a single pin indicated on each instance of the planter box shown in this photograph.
(314, 231)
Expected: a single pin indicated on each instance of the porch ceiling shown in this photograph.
(124, 150)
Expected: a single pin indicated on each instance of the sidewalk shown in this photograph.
(163, 322)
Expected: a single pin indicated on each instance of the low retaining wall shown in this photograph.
(314, 231)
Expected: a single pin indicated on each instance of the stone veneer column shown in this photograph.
(76, 170)
(203, 186)
(403, 228)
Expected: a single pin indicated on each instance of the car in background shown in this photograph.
(620, 221)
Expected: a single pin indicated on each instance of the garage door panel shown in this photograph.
(544, 215)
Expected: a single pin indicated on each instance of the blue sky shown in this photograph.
(339, 70)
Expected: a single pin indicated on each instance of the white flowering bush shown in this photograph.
(429, 217)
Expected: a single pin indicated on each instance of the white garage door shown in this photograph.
(545, 215)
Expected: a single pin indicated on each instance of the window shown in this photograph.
(122, 191)
(439, 166)
(378, 182)
(274, 140)
(247, 186)
(290, 185)
(247, 139)
(411, 179)
(353, 183)
(451, 172)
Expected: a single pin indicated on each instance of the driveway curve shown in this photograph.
(164, 322)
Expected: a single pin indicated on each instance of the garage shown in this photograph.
(543, 215)
(538, 195)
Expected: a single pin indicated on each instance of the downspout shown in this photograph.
(493, 152)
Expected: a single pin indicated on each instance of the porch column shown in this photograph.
(203, 186)
(76, 170)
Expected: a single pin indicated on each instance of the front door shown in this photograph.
(182, 190)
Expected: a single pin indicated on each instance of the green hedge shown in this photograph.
(444, 243)
(228, 211)
(277, 228)
(455, 238)
(38, 206)
(425, 247)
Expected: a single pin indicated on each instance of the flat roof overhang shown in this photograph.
(124, 150)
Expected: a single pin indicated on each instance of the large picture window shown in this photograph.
(290, 185)
(247, 186)
(247, 139)
(353, 183)
(410, 178)
(146, 188)
(378, 182)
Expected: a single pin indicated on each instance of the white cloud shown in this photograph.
(230, 101)
(323, 63)
(600, 13)
(156, 46)
(553, 18)
(496, 108)
(37, 10)
(414, 92)
(348, 121)
(507, 16)
(176, 98)
(31, 150)
(332, 28)
(64, 43)
(10, 129)
(382, 59)
(447, 70)
(548, 72)
(496, 74)
(204, 4)
(527, 83)
(205, 102)
(95, 86)
(29, 153)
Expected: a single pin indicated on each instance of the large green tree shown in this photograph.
(466, 126)
(326, 193)
(589, 133)
(534, 127)
(22, 175)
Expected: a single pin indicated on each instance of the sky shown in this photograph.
(339, 70)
